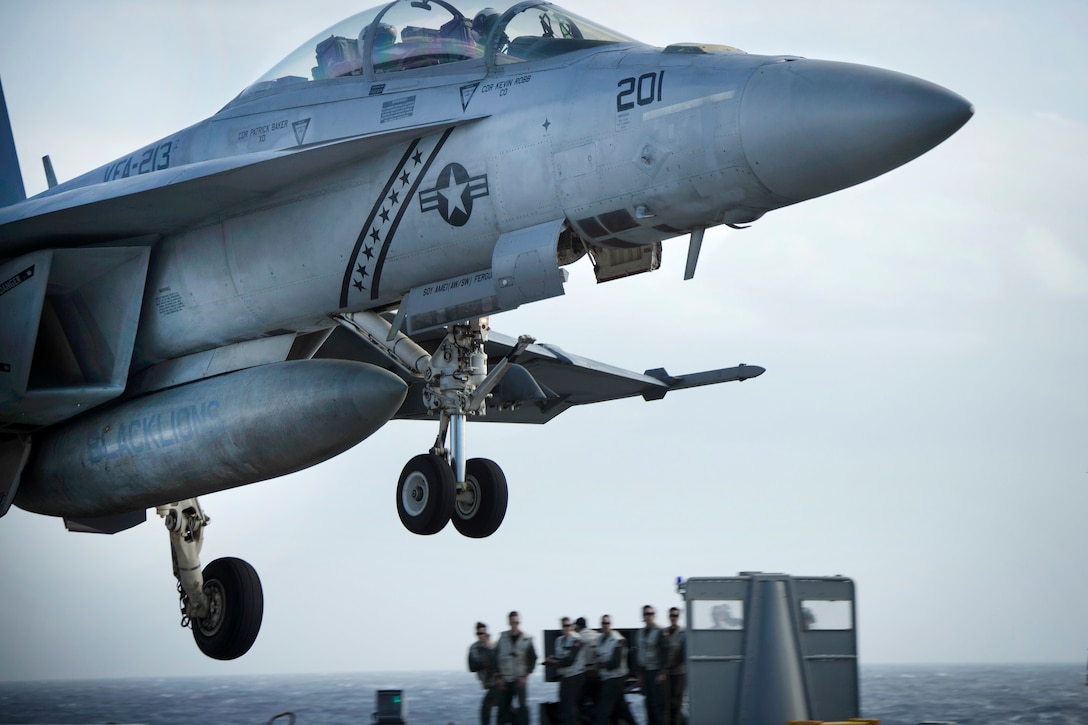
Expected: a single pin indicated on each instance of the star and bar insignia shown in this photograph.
(453, 194)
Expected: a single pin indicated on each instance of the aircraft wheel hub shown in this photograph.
(210, 624)
(416, 494)
(468, 501)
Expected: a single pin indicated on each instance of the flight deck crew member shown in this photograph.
(517, 658)
(481, 660)
(572, 671)
(588, 655)
(675, 672)
(612, 669)
(650, 675)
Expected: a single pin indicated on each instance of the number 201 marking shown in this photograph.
(646, 89)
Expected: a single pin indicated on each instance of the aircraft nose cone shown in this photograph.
(811, 127)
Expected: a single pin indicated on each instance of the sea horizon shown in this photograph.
(1082, 664)
(896, 694)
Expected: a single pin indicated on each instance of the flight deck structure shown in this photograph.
(767, 649)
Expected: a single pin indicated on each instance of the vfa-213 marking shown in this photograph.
(153, 158)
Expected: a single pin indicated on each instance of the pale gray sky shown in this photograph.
(921, 427)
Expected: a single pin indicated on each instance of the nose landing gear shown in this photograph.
(442, 485)
(458, 384)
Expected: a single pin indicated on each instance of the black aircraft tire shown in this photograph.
(426, 494)
(482, 514)
(236, 603)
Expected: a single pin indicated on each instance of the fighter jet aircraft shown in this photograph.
(261, 291)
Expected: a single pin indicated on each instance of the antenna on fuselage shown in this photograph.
(695, 245)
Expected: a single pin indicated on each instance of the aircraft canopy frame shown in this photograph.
(409, 35)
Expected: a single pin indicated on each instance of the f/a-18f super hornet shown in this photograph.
(333, 242)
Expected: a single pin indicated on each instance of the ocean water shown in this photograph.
(976, 694)
(896, 694)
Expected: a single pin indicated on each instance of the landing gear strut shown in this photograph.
(224, 604)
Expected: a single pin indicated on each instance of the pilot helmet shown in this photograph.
(384, 35)
(484, 21)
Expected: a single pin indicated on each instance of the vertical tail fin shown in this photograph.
(11, 178)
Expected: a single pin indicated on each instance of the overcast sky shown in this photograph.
(921, 426)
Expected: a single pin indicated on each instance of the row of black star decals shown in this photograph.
(364, 269)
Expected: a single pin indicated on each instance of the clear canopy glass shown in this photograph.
(410, 34)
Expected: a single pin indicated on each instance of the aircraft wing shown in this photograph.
(545, 381)
(171, 199)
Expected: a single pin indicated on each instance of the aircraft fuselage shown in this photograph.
(631, 145)
(639, 129)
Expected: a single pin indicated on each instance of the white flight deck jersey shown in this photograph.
(516, 658)
(588, 654)
(564, 643)
(606, 648)
(648, 642)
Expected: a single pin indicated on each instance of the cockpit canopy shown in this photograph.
(410, 34)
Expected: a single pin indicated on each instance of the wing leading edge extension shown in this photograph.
(172, 199)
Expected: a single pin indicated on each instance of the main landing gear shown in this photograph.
(224, 604)
(443, 485)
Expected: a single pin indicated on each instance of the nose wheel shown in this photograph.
(481, 506)
(426, 494)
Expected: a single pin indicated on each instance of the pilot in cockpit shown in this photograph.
(384, 38)
(483, 23)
